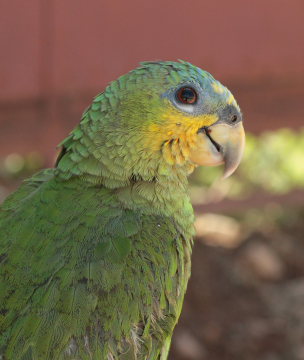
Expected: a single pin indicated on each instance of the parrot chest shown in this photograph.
(153, 285)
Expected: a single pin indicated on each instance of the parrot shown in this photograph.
(95, 253)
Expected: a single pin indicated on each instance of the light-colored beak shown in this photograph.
(220, 143)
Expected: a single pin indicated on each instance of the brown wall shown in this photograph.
(57, 54)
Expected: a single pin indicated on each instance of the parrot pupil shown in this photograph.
(187, 95)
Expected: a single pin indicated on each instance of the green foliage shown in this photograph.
(18, 166)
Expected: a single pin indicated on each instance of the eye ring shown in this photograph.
(186, 95)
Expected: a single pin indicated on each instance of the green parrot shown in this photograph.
(95, 253)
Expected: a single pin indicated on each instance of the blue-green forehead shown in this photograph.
(188, 73)
(164, 77)
(174, 75)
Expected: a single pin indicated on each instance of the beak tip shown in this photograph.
(234, 152)
(227, 173)
(232, 161)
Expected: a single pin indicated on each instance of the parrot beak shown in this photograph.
(220, 143)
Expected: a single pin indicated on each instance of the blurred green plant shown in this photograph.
(273, 162)
(16, 166)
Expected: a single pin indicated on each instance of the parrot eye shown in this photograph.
(186, 95)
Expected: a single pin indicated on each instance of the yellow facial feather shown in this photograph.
(218, 87)
(175, 125)
(231, 100)
(221, 89)
(176, 133)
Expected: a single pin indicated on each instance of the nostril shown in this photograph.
(234, 118)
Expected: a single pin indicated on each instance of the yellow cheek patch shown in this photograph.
(175, 125)
(175, 134)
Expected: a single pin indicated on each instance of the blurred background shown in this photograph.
(246, 296)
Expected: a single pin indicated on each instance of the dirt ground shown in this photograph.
(246, 301)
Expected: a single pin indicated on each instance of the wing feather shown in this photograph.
(72, 262)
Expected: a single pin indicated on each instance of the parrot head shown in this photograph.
(162, 115)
